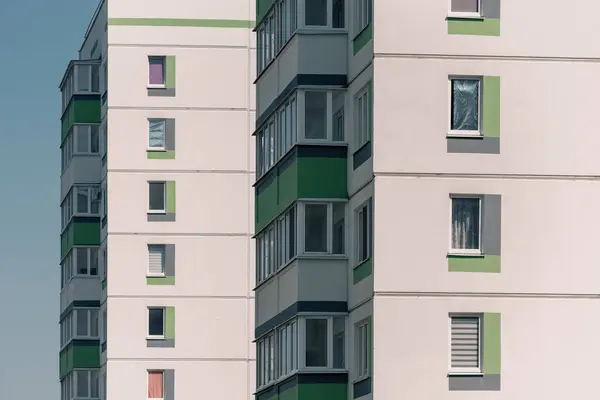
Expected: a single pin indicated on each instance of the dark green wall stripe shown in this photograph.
(181, 22)
(299, 307)
(301, 80)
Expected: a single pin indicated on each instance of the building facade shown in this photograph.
(412, 236)
(157, 257)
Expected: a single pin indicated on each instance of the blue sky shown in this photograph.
(37, 39)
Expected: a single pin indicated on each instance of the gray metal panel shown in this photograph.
(169, 217)
(170, 259)
(477, 145)
(169, 382)
(160, 92)
(492, 224)
(486, 382)
(490, 8)
(160, 342)
(170, 134)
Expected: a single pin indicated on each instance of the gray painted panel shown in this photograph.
(169, 382)
(170, 259)
(486, 382)
(160, 342)
(492, 224)
(170, 134)
(490, 8)
(160, 92)
(477, 145)
(169, 217)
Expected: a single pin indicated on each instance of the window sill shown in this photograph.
(321, 256)
(468, 135)
(465, 255)
(156, 338)
(157, 212)
(465, 373)
(156, 150)
(156, 276)
(470, 17)
(149, 86)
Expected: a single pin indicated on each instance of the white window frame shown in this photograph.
(89, 257)
(90, 75)
(164, 323)
(266, 372)
(162, 372)
(164, 125)
(474, 15)
(459, 133)
(292, 338)
(67, 266)
(474, 252)
(89, 315)
(164, 210)
(365, 207)
(164, 65)
(91, 191)
(75, 131)
(362, 370)
(301, 224)
(466, 371)
(302, 340)
(162, 249)
(362, 20)
(89, 373)
(362, 138)
(67, 331)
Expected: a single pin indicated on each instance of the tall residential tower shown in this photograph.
(157, 261)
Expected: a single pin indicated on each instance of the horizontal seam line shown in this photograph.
(179, 234)
(182, 171)
(182, 108)
(175, 296)
(488, 176)
(491, 295)
(184, 46)
(208, 359)
(487, 57)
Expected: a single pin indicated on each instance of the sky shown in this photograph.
(37, 40)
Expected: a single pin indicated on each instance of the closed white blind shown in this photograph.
(464, 352)
(156, 259)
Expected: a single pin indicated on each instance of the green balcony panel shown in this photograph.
(81, 231)
(307, 172)
(79, 354)
(82, 109)
(332, 386)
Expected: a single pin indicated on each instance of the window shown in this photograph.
(156, 134)
(466, 225)
(66, 151)
(155, 385)
(465, 8)
(316, 342)
(86, 139)
(66, 387)
(315, 117)
(156, 260)
(156, 323)
(287, 350)
(338, 126)
(87, 383)
(465, 106)
(339, 14)
(315, 13)
(363, 232)
(363, 16)
(156, 73)
(104, 263)
(465, 338)
(104, 325)
(66, 329)
(266, 360)
(66, 267)
(339, 342)
(276, 246)
(362, 349)
(80, 323)
(86, 260)
(275, 30)
(157, 197)
(362, 112)
(88, 200)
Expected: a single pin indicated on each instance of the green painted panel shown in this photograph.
(171, 72)
(362, 271)
(364, 37)
(370, 348)
(80, 111)
(170, 322)
(322, 177)
(288, 392)
(491, 106)
(103, 284)
(322, 391)
(171, 197)
(158, 281)
(79, 354)
(492, 343)
(180, 22)
(487, 263)
(80, 233)
(286, 189)
(262, 6)
(482, 27)
(161, 155)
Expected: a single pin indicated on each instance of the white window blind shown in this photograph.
(156, 259)
(464, 352)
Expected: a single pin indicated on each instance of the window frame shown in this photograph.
(163, 59)
(164, 209)
(362, 138)
(89, 260)
(470, 15)
(466, 371)
(74, 382)
(471, 252)
(366, 207)
(362, 373)
(162, 248)
(163, 122)
(164, 323)
(162, 373)
(460, 133)
(361, 21)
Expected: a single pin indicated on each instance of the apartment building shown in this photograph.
(157, 260)
(424, 190)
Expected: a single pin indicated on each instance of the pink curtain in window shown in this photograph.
(156, 72)
(155, 385)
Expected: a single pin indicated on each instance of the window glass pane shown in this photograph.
(465, 105)
(82, 260)
(157, 196)
(82, 383)
(83, 138)
(465, 6)
(364, 233)
(338, 13)
(339, 342)
(156, 134)
(464, 348)
(93, 261)
(316, 115)
(82, 200)
(315, 227)
(157, 70)
(82, 323)
(95, 78)
(155, 385)
(465, 223)
(155, 322)
(315, 13)
(156, 259)
(94, 141)
(94, 323)
(339, 237)
(316, 342)
(83, 78)
(95, 384)
(95, 200)
(338, 126)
